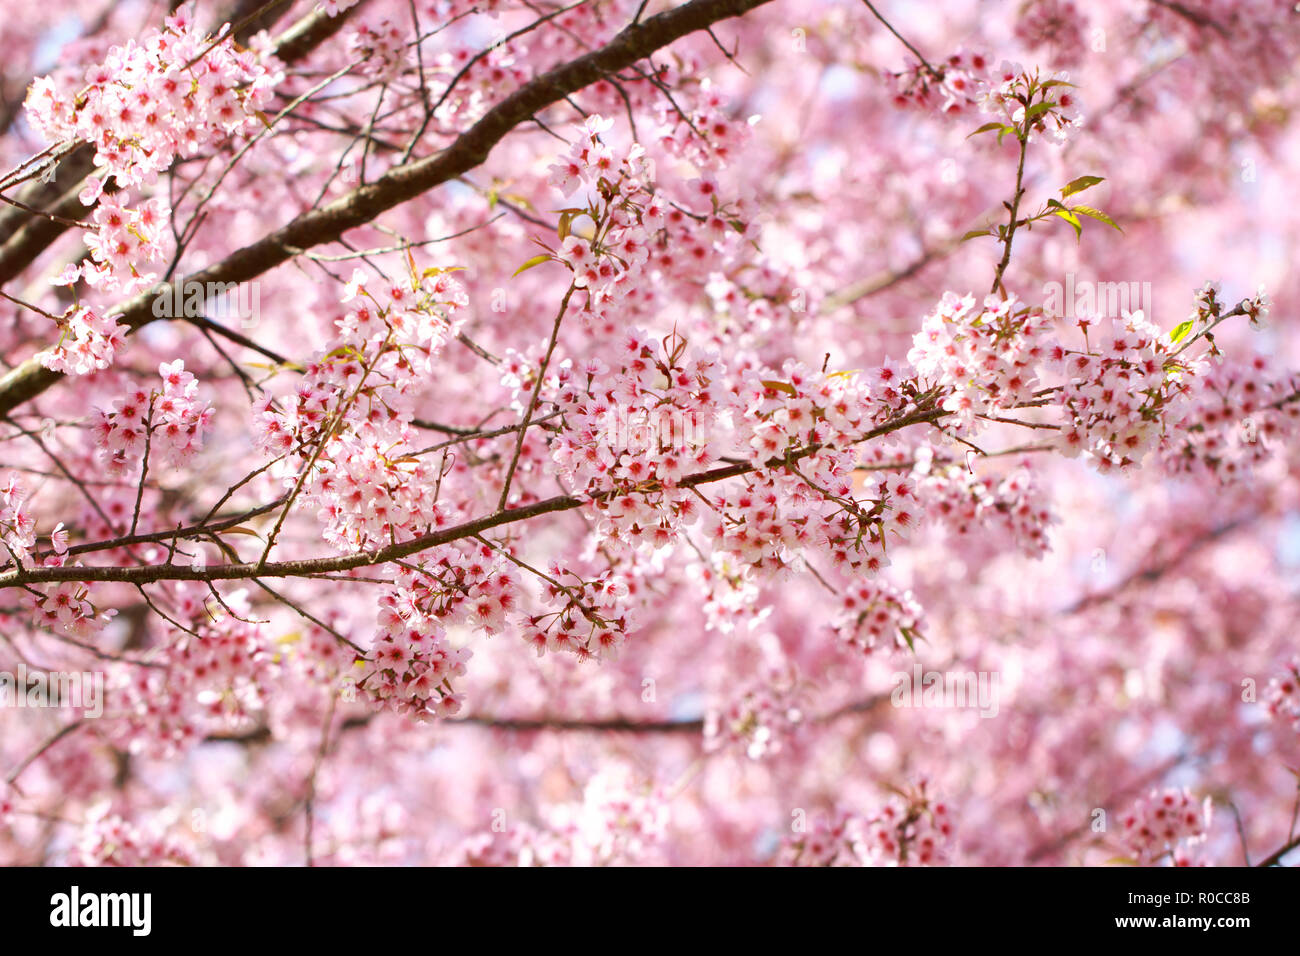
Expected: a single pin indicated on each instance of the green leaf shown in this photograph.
(974, 233)
(566, 222)
(534, 261)
(1079, 185)
(910, 637)
(1180, 331)
(1096, 214)
(1038, 109)
(987, 128)
(1073, 220)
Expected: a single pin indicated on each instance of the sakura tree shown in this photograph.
(730, 432)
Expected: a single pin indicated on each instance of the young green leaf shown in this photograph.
(1038, 109)
(534, 261)
(1096, 214)
(1079, 185)
(1073, 220)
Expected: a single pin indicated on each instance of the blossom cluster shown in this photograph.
(379, 48)
(1239, 418)
(761, 720)
(212, 677)
(964, 501)
(88, 340)
(64, 607)
(589, 617)
(633, 433)
(618, 821)
(967, 81)
(701, 126)
(800, 432)
(1119, 396)
(476, 81)
(988, 358)
(1163, 822)
(344, 436)
(168, 95)
(1025, 100)
(171, 94)
(413, 659)
(952, 87)
(624, 211)
(1057, 25)
(911, 829)
(1282, 696)
(109, 839)
(872, 613)
(17, 527)
(169, 422)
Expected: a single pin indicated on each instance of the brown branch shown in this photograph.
(408, 180)
(307, 567)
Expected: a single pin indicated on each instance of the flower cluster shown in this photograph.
(1237, 419)
(64, 607)
(873, 614)
(412, 660)
(124, 239)
(212, 678)
(1056, 24)
(950, 88)
(912, 829)
(1157, 823)
(837, 842)
(986, 358)
(624, 211)
(1282, 696)
(801, 433)
(520, 845)
(88, 340)
(633, 433)
(108, 839)
(170, 422)
(168, 95)
(701, 128)
(380, 49)
(17, 527)
(1119, 395)
(618, 821)
(964, 501)
(478, 81)
(1017, 96)
(589, 617)
(731, 594)
(760, 721)
(347, 425)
